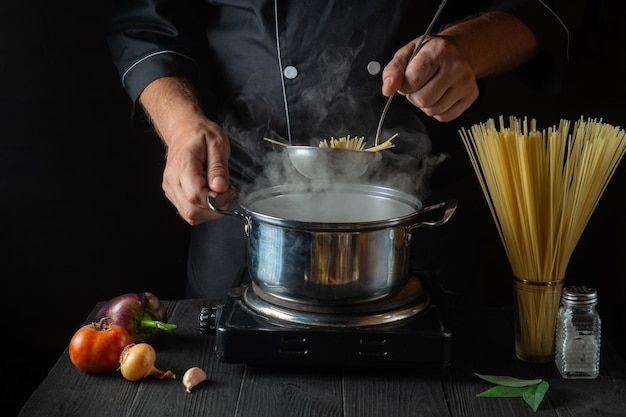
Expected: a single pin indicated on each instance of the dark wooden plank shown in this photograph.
(394, 393)
(291, 392)
(602, 397)
(68, 391)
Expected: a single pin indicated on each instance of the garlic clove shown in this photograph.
(192, 377)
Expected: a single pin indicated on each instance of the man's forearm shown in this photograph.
(494, 42)
(167, 101)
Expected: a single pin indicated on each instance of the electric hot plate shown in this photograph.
(256, 328)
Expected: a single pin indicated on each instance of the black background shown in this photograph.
(82, 214)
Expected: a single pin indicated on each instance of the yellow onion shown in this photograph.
(137, 362)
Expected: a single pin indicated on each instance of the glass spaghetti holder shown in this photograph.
(535, 313)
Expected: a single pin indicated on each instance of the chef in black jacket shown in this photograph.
(215, 77)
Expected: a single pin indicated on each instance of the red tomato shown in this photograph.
(96, 347)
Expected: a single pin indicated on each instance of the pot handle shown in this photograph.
(212, 206)
(448, 206)
(247, 219)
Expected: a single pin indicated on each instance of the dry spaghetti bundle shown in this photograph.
(542, 188)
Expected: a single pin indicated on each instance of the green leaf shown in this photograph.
(502, 391)
(508, 381)
(534, 394)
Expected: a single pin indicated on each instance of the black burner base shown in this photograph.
(244, 336)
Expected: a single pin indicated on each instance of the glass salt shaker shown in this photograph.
(577, 350)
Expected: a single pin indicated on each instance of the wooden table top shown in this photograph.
(482, 343)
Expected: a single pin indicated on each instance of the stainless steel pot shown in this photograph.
(345, 243)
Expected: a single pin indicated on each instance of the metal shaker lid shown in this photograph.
(579, 295)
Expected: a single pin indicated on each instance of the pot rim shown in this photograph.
(376, 190)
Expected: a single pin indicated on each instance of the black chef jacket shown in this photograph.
(299, 71)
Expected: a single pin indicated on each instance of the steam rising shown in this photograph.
(333, 107)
